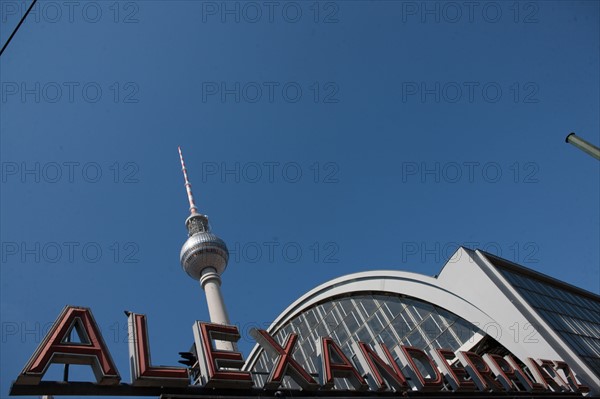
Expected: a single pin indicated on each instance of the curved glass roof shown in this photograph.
(372, 318)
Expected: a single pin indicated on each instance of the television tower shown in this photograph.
(204, 258)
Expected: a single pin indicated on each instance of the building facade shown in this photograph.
(478, 303)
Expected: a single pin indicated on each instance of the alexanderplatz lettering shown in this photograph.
(418, 370)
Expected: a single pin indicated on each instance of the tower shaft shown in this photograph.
(211, 284)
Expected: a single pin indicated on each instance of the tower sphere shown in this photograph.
(203, 250)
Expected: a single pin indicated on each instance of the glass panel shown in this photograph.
(300, 327)
(363, 334)
(394, 308)
(419, 310)
(447, 341)
(368, 306)
(308, 346)
(321, 330)
(351, 323)
(463, 330)
(416, 339)
(311, 319)
(440, 322)
(327, 306)
(342, 334)
(430, 329)
(388, 337)
(375, 323)
(346, 305)
(403, 324)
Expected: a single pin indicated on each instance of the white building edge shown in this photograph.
(532, 315)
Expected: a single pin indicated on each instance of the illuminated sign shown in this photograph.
(216, 368)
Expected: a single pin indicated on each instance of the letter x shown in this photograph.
(285, 363)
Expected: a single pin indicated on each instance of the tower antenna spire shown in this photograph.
(188, 185)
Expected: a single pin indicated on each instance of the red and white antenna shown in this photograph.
(188, 185)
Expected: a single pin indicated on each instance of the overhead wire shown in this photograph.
(17, 27)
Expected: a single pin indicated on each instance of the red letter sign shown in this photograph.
(285, 364)
(546, 375)
(381, 371)
(142, 372)
(577, 387)
(340, 368)
(56, 348)
(455, 373)
(530, 385)
(211, 359)
(479, 371)
(409, 356)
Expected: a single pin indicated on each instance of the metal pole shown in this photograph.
(583, 145)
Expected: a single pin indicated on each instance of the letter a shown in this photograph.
(56, 348)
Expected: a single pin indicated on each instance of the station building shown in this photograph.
(478, 303)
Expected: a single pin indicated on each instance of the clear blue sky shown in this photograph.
(321, 139)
